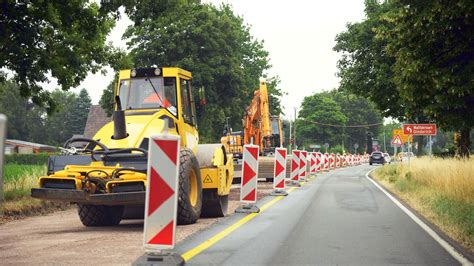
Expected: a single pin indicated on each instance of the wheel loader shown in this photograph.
(107, 178)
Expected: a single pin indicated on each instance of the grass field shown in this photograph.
(18, 181)
(440, 189)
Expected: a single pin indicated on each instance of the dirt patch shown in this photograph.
(60, 238)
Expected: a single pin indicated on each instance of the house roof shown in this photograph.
(15, 142)
(96, 119)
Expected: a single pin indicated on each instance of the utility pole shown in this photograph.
(289, 140)
(384, 144)
(294, 128)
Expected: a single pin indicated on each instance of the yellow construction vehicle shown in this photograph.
(107, 179)
(259, 127)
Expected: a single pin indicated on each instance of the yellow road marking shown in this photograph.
(217, 237)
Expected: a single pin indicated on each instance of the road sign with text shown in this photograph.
(419, 129)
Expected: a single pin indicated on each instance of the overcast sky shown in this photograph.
(298, 34)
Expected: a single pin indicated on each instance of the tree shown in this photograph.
(81, 107)
(363, 117)
(59, 39)
(59, 124)
(365, 68)
(214, 44)
(414, 60)
(433, 46)
(317, 109)
(25, 120)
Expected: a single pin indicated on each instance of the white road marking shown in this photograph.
(450, 249)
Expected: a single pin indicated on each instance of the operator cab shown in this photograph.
(157, 88)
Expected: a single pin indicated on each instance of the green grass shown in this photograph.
(442, 190)
(19, 179)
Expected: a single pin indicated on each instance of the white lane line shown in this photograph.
(450, 249)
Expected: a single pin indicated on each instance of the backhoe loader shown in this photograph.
(259, 127)
(107, 178)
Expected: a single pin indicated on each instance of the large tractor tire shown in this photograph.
(99, 215)
(190, 188)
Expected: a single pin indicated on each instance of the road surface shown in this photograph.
(338, 218)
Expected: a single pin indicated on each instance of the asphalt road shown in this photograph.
(338, 218)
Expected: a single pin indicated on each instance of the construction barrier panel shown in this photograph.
(326, 161)
(295, 166)
(279, 172)
(312, 163)
(161, 192)
(319, 162)
(332, 161)
(303, 162)
(248, 189)
(338, 160)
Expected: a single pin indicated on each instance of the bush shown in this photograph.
(37, 158)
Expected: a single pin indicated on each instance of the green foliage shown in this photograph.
(365, 68)
(320, 108)
(20, 178)
(324, 117)
(336, 149)
(215, 45)
(415, 61)
(29, 122)
(32, 159)
(60, 39)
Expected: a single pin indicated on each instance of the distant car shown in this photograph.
(387, 158)
(376, 157)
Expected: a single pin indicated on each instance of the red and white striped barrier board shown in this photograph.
(248, 189)
(279, 172)
(338, 160)
(332, 161)
(312, 163)
(319, 161)
(303, 162)
(161, 192)
(326, 161)
(295, 165)
(352, 159)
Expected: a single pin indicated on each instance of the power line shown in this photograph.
(341, 126)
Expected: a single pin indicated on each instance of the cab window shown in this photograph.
(142, 93)
(186, 102)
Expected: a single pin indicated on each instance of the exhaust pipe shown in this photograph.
(120, 128)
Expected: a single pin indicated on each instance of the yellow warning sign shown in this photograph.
(404, 137)
(208, 179)
(397, 141)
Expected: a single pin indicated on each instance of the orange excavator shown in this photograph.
(259, 127)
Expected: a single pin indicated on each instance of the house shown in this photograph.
(25, 147)
(96, 119)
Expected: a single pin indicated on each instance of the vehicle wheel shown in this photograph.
(269, 179)
(190, 188)
(213, 204)
(370, 163)
(99, 215)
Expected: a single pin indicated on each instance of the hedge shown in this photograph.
(38, 158)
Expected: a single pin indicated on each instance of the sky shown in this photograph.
(298, 34)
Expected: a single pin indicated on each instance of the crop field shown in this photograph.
(440, 189)
(18, 181)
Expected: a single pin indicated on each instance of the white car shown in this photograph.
(387, 158)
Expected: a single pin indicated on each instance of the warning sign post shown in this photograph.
(161, 201)
(279, 173)
(248, 188)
